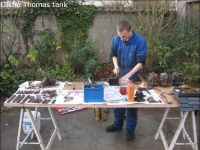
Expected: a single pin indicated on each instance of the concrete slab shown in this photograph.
(80, 131)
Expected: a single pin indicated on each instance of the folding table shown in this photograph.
(184, 115)
(78, 85)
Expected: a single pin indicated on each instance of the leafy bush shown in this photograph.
(11, 78)
(84, 58)
(178, 51)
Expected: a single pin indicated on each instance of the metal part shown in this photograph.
(139, 96)
(162, 96)
(165, 80)
(177, 79)
(144, 89)
(69, 83)
(152, 87)
(191, 88)
(153, 79)
(90, 82)
(152, 100)
(47, 81)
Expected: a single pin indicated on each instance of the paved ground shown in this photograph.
(80, 131)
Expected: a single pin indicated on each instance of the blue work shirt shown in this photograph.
(129, 54)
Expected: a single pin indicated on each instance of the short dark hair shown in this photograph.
(123, 25)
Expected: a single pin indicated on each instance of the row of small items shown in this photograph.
(165, 79)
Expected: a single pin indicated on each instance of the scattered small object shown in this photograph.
(152, 100)
(177, 79)
(162, 96)
(139, 96)
(114, 81)
(144, 89)
(67, 110)
(165, 80)
(90, 82)
(153, 79)
(47, 81)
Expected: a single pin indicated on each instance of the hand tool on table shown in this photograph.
(162, 96)
(90, 82)
(69, 83)
(67, 98)
(152, 87)
(191, 88)
(144, 89)
(114, 80)
(142, 79)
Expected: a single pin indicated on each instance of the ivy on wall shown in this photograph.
(27, 28)
(73, 23)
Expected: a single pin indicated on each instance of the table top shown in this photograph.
(79, 86)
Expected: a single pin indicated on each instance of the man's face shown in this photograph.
(125, 35)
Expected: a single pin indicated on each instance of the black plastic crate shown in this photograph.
(188, 101)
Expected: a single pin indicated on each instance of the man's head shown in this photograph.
(124, 30)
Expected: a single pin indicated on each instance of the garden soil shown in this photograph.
(80, 131)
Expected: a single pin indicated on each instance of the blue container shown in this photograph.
(95, 94)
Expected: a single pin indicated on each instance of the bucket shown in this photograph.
(27, 125)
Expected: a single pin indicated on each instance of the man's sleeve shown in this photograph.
(142, 52)
(114, 49)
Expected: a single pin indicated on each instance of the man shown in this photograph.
(129, 51)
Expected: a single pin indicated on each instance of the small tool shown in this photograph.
(162, 96)
(191, 88)
(152, 87)
(73, 87)
(144, 89)
(90, 82)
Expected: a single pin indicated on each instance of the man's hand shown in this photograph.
(127, 76)
(116, 71)
(123, 80)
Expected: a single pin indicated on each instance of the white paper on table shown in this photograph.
(111, 88)
(77, 97)
(113, 96)
(119, 103)
(24, 85)
(153, 94)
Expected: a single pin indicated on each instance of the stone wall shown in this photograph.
(103, 30)
(191, 9)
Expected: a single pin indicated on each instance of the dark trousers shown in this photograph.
(131, 118)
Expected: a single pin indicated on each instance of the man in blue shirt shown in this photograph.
(129, 52)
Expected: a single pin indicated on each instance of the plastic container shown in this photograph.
(123, 86)
(130, 90)
(27, 125)
(94, 94)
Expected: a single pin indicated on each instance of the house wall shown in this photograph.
(196, 14)
(191, 9)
